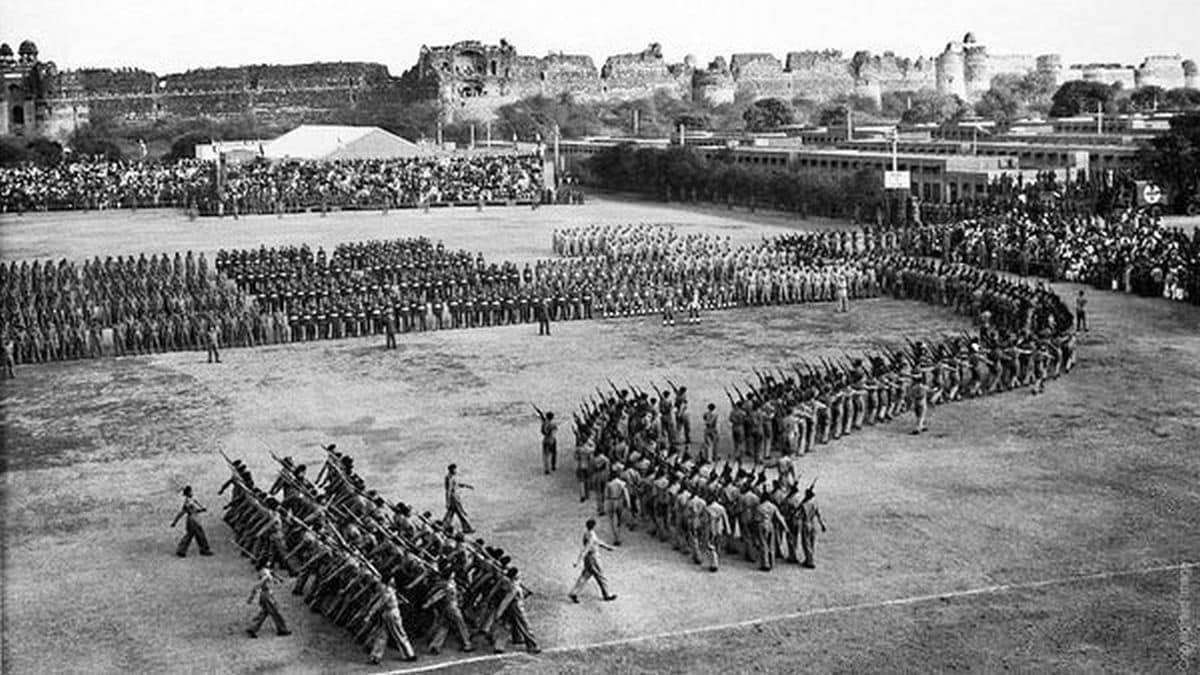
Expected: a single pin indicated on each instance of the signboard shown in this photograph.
(897, 180)
(1149, 194)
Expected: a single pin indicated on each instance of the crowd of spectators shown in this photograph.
(271, 187)
(1130, 250)
(98, 185)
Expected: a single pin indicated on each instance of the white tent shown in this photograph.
(330, 142)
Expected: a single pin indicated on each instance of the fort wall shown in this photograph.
(470, 80)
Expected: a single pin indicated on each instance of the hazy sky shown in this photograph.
(172, 35)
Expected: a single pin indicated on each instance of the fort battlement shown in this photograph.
(471, 80)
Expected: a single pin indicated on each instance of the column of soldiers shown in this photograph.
(379, 570)
(124, 305)
(652, 269)
(633, 456)
(277, 295)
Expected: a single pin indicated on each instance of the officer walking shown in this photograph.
(190, 510)
(454, 505)
(589, 556)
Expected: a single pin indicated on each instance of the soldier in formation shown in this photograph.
(388, 575)
(631, 437)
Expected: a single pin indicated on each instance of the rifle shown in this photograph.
(289, 477)
(673, 387)
(539, 412)
(616, 391)
(728, 395)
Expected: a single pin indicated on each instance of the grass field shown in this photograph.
(1047, 533)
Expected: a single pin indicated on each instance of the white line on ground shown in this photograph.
(1187, 643)
(1184, 611)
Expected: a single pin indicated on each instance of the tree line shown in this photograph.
(681, 174)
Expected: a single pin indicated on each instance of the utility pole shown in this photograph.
(1099, 117)
(472, 135)
(636, 121)
(895, 149)
(849, 123)
(557, 155)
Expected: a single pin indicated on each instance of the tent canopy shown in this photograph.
(332, 142)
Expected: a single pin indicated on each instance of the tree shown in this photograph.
(832, 117)
(95, 141)
(1172, 159)
(1148, 97)
(695, 121)
(44, 151)
(929, 106)
(12, 154)
(768, 114)
(1182, 99)
(1080, 96)
(184, 147)
(1001, 105)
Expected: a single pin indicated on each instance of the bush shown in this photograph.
(12, 154)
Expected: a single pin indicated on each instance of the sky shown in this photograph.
(168, 36)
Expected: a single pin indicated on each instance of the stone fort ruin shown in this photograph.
(470, 80)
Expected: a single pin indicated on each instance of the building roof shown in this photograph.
(331, 142)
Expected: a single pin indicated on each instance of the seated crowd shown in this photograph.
(271, 187)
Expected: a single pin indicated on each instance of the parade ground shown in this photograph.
(1057, 532)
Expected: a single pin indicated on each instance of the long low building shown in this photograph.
(1036, 155)
(935, 178)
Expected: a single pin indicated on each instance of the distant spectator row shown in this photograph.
(265, 187)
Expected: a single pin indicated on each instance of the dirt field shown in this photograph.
(1047, 533)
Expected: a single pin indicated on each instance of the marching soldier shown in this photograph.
(771, 527)
(447, 598)
(716, 529)
(710, 433)
(810, 517)
(616, 503)
(266, 602)
(549, 443)
(510, 609)
(387, 605)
